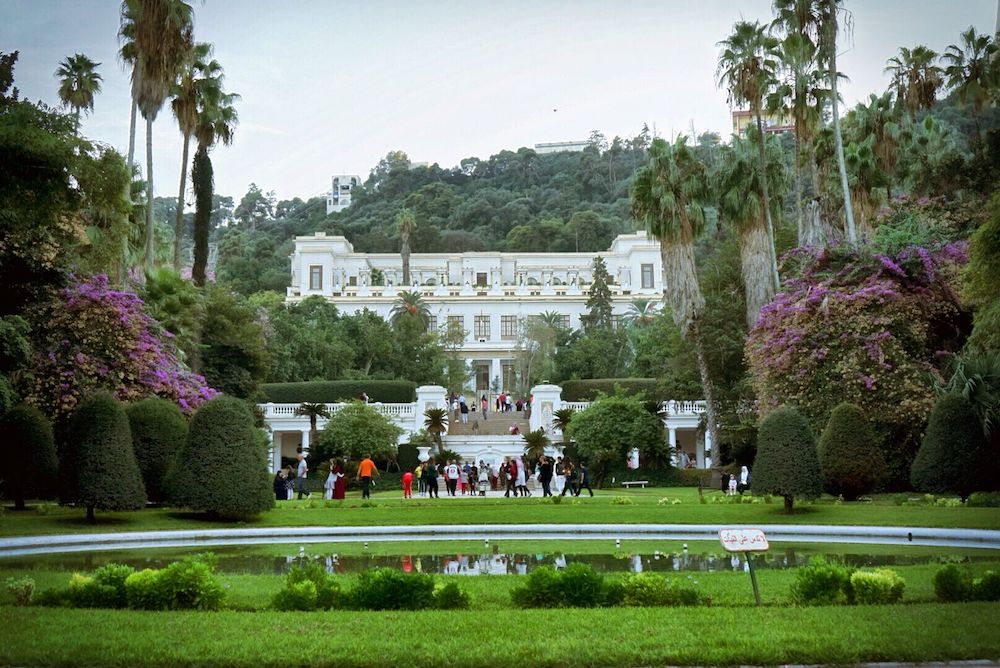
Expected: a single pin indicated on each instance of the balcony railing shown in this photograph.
(402, 411)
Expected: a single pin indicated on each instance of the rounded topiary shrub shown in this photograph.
(106, 474)
(849, 453)
(222, 469)
(27, 455)
(159, 431)
(787, 464)
(952, 457)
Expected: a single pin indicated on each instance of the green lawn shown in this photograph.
(388, 509)
(607, 637)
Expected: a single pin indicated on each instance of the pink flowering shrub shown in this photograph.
(95, 338)
(862, 327)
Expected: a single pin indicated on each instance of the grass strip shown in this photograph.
(606, 637)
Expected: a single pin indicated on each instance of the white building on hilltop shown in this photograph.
(490, 294)
(340, 194)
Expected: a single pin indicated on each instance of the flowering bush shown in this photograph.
(862, 327)
(95, 338)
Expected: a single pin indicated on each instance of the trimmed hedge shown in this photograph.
(849, 453)
(332, 391)
(27, 455)
(159, 431)
(588, 389)
(953, 456)
(107, 475)
(787, 463)
(223, 466)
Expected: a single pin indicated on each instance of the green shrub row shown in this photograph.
(580, 586)
(825, 583)
(983, 500)
(189, 584)
(332, 391)
(952, 584)
(589, 388)
(309, 587)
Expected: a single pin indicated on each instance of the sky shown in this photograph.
(329, 87)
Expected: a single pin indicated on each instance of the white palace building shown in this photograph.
(489, 294)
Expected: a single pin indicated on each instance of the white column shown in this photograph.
(275, 451)
(700, 452)
(709, 449)
(305, 442)
(672, 440)
(546, 400)
(428, 396)
(496, 371)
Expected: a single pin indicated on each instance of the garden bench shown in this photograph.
(630, 483)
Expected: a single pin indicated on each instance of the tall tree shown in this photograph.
(829, 21)
(916, 78)
(410, 304)
(196, 69)
(406, 224)
(748, 69)
(738, 177)
(128, 58)
(161, 32)
(971, 71)
(668, 195)
(599, 299)
(217, 120)
(79, 82)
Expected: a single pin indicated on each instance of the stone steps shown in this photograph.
(494, 424)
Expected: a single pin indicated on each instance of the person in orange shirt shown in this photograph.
(365, 470)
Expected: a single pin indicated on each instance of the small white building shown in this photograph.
(490, 294)
(557, 146)
(340, 194)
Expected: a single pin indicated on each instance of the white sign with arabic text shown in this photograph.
(743, 540)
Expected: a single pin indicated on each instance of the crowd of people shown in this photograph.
(554, 476)
(503, 403)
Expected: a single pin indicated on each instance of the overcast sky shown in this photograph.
(329, 87)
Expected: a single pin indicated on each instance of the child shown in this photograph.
(732, 486)
(408, 485)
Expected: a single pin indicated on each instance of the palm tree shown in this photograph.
(738, 177)
(436, 423)
(748, 69)
(129, 59)
(915, 78)
(313, 412)
(561, 419)
(867, 181)
(971, 72)
(196, 67)
(668, 195)
(160, 32)
(535, 443)
(79, 82)
(410, 304)
(880, 121)
(642, 312)
(828, 17)
(406, 223)
(976, 376)
(552, 319)
(217, 119)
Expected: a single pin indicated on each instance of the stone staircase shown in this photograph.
(495, 424)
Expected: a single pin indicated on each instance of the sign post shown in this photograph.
(748, 541)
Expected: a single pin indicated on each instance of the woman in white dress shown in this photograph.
(521, 483)
(331, 480)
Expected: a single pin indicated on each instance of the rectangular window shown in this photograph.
(482, 327)
(352, 280)
(616, 321)
(647, 276)
(564, 321)
(315, 277)
(432, 324)
(456, 321)
(509, 376)
(508, 327)
(481, 279)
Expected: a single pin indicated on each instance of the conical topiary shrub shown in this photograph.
(849, 454)
(786, 462)
(952, 456)
(222, 469)
(107, 476)
(159, 431)
(27, 455)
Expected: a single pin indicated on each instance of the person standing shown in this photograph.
(429, 474)
(744, 481)
(560, 471)
(584, 480)
(484, 478)
(463, 408)
(365, 470)
(463, 479)
(545, 475)
(280, 490)
(485, 405)
(451, 477)
(340, 484)
(331, 480)
(522, 476)
(300, 480)
(502, 402)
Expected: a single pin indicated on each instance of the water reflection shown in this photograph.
(490, 561)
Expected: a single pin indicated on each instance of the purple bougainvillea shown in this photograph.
(95, 338)
(858, 326)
